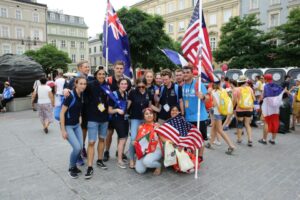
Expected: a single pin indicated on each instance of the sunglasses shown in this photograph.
(141, 87)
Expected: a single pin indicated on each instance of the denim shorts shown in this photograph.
(219, 117)
(97, 129)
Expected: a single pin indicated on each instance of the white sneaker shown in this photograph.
(217, 143)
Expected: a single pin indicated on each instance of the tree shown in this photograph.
(50, 58)
(243, 44)
(288, 51)
(146, 35)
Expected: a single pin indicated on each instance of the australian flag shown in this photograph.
(115, 38)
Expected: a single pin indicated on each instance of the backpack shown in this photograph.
(57, 109)
(175, 88)
(245, 100)
(225, 106)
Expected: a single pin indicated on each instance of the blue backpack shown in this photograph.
(57, 109)
(175, 88)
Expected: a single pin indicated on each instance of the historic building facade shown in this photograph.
(69, 34)
(22, 26)
(96, 58)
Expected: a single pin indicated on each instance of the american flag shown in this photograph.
(181, 133)
(191, 46)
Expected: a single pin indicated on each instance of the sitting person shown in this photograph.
(7, 95)
(148, 151)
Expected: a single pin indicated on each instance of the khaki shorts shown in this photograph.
(296, 109)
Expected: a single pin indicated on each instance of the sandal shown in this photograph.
(208, 145)
(229, 151)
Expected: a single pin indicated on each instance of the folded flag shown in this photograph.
(271, 103)
(181, 133)
(175, 57)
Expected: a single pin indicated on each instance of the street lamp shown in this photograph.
(29, 42)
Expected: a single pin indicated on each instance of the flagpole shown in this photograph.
(199, 82)
(106, 35)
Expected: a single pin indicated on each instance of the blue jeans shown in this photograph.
(150, 160)
(76, 141)
(134, 125)
(97, 130)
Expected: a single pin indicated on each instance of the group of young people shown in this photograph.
(94, 107)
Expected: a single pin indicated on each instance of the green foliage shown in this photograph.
(146, 34)
(288, 51)
(242, 44)
(50, 58)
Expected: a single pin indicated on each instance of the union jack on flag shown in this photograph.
(115, 38)
(192, 42)
(181, 133)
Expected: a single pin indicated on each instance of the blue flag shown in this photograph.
(115, 38)
(175, 57)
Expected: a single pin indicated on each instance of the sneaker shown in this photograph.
(262, 141)
(106, 156)
(272, 142)
(239, 141)
(121, 165)
(292, 128)
(46, 130)
(250, 144)
(208, 145)
(80, 161)
(229, 151)
(101, 164)
(89, 173)
(217, 143)
(225, 128)
(78, 171)
(72, 173)
(124, 158)
(83, 153)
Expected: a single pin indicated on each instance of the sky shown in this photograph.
(93, 11)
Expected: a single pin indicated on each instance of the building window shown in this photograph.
(101, 48)
(18, 14)
(170, 28)
(5, 31)
(19, 33)
(19, 50)
(63, 31)
(52, 16)
(36, 34)
(227, 15)
(274, 19)
(35, 17)
(213, 43)
(81, 57)
(95, 61)
(253, 4)
(181, 4)
(81, 45)
(81, 34)
(63, 44)
(90, 50)
(3, 12)
(80, 20)
(62, 18)
(170, 7)
(100, 60)
(6, 48)
(73, 44)
(73, 58)
(95, 49)
(158, 10)
(213, 19)
(53, 42)
(273, 2)
(72, 19)
(72, 32)
(181, 26)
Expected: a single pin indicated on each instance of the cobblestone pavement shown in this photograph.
(34, 166)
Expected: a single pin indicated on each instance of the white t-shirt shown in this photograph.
(43, 94)
(216, 95)
(60, 82)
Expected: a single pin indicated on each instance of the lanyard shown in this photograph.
(186, 93)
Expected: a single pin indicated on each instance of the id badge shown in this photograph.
(101, 107)
(166, 107)
(186, 103)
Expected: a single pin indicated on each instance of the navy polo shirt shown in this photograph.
(168, 96)
(139, 102)
(73, 113)
(116, 116)
(96, 96)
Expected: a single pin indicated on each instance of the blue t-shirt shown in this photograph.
(190, 101)
(73, 113)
